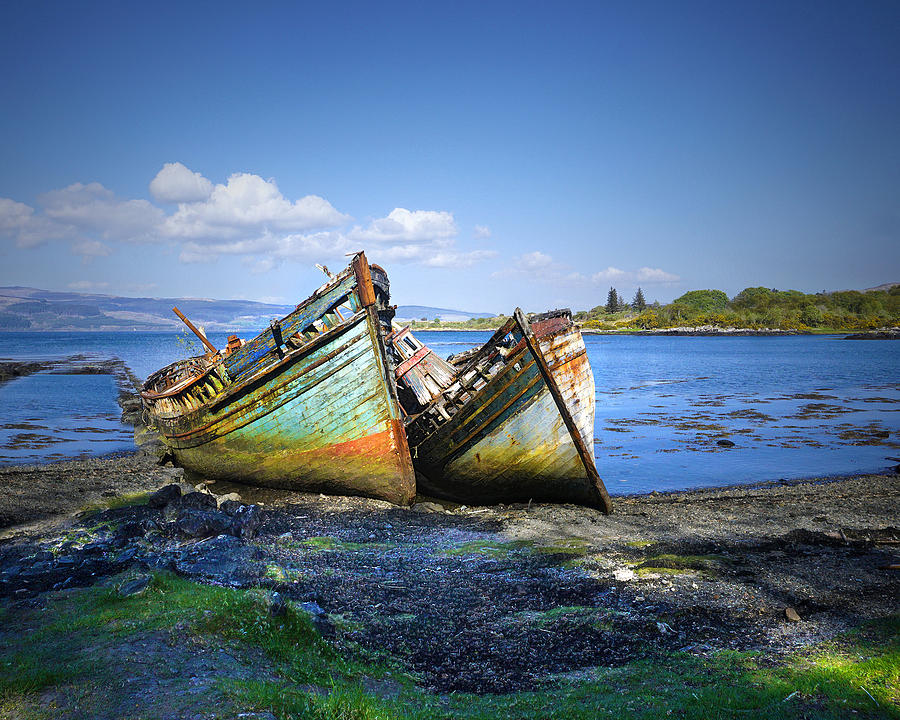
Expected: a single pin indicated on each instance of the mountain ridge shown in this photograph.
(33, 309)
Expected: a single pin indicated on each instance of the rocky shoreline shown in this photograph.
(481, 599)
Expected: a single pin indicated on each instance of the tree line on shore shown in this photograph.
(752, 308)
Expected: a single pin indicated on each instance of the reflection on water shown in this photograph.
(793, 406)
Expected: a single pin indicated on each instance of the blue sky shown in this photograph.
(487, 154)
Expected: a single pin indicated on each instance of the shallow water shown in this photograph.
(45, 417)
(796, 406)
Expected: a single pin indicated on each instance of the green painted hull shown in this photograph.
(322, 417)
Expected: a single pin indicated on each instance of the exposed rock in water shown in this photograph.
(724, 443)
(882, 334)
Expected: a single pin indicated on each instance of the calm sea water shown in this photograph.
(793, 406)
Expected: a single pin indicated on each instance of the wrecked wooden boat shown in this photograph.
(510, 421)
(309, 404)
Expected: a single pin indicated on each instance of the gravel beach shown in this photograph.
(480, 599)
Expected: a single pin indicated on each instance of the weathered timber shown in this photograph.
(209, 346)
(587, 458)
(515, 422)
(308, 404)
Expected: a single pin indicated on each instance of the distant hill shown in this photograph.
(881, 288)
(26, 308)
(417, 312)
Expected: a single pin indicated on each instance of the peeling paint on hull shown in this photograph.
(327, 428)
(511, 443)
(309, 408)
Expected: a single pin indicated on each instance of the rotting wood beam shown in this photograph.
(209, 346)
(363, 279)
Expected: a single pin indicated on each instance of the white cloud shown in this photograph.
(177, 184)
(14, 215)
(92, 208)
(260, 266)
(481, 232)
(611, 274)
(247, 216)
(311, 248)
(91, 248)
(534, 261)
(534, 266)
(248, 206)
(138, 287)
(18, 221)
(403, 225)
(655, 276)
(540, 267)
(457, 260)
(642, 276)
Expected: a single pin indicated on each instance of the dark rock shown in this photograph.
(230, 507)
(724, 443)
(99, 547)
(150, 443)
(320, 620)
(245, 521)
(311, 607)
(130, 529)
(202, 523)
(64, 584)
(149, 525)
(158, 562)
(277, 604)
(198, 501)
(224, 559)
(136, 586)
(126, 556)
(164, 496)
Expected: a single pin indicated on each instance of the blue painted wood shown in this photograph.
(244, 361)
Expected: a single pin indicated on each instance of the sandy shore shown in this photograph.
(559, 588)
